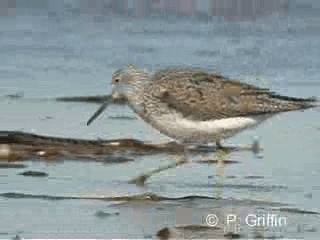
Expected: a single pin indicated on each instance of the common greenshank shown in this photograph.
(197, 107)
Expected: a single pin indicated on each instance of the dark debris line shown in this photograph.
(17, 145)
(20, 146)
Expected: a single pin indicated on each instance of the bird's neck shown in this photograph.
(136, 95)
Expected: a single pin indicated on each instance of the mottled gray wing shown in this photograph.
(203, 96)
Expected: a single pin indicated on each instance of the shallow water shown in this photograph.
(44, 58)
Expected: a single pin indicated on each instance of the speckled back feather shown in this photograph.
(199, 95)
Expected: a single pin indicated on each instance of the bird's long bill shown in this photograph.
(98, 112)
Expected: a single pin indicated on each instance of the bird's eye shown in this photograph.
(116, 80)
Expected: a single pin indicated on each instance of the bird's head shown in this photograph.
(126, 81)
(128, 84)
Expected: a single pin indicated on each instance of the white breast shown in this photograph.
(175, 126)
(215, 126)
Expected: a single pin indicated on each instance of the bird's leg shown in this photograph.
(220, 158)
(180, 159)
(220, 175)
(221, 151)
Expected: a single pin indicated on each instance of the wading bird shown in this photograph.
(197, 107)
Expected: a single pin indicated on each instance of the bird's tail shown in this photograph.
(294, 103)
(305, 103)
(311, 102)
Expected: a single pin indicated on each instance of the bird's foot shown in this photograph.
(255, 147)
(221, 151)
